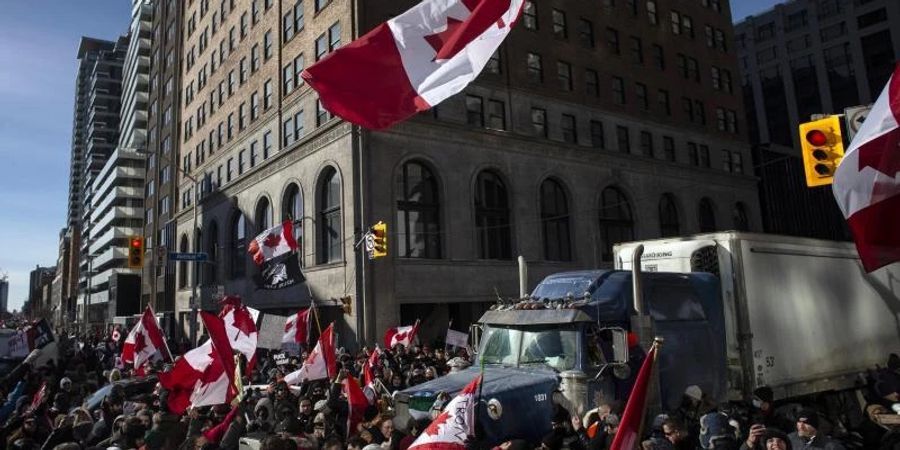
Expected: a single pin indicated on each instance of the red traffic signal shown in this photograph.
(136, 243)
(817, 138)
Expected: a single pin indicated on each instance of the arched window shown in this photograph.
(238, 245)
(212, 249)
(741, 222)
(668, 216)
(292, 207)
(263, 217)
(418, 213)
(707, 215)
(492, 217)
(616, 220)
(329, 220)
(555, 222)
(182, 265)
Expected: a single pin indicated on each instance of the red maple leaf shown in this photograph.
(459, 34)
(243, 321)
(882, 153)
(432, 429)
(272, 240)
(139, 343)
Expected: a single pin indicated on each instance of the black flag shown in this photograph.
(279, 273)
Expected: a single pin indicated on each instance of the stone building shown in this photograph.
(590, 126)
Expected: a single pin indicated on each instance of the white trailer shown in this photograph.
(802, 316)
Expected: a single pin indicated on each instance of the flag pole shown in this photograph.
(657, 343)
(315, 311)
(165, 341)
(449, 327)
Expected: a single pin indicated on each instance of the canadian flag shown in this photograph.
(413, 61)
(272, 243)
(401, 335)
(240, 327)
(369, 389)
(357, 403)
(867, 182)
(205, 375)
(452, 427)
(321, 362)
(296, 328)
(144, 341)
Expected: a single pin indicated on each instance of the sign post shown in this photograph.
(199, 257)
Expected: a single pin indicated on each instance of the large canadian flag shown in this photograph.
(413, 61)
(321, 362)
(240, 327)
(274, 242)
(401, 335)
(144, 341)
(454, 425)
(357, 402)
(867, 182)
(296, 328)
(205, 375)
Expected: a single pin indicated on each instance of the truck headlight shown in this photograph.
(494, 409)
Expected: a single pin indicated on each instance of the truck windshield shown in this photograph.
(553, 346)
(562, 287)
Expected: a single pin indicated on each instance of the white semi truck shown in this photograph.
(801, 315)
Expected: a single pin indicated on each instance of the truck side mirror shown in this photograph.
(619, 345)
(475, 335)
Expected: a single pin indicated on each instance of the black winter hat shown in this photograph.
(764, 393)
(776, 433)
(809, 416)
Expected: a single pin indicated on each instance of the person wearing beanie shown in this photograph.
(762, 410)
(763, 438)
(807, 435)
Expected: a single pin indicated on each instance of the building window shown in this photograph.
(676, 22)
(238, 245)
(287, 132)
(496, 116)
(616, 220)
(704, 156)
(329, 220)
(612, 40)
(321, 4)
(668, 216)
(212, 250)
(418, 212)
(669, 148)
(539, 122)
(494, 64)
(267, 144)
(598, 139)
(591, 82)
(254, 153)
(618, 90)
(529, 16)
(564, 75)
(535, 68)
(659, 57)
(288, 27)
(706, 215)
(693, 156)
(267, 94)
(586, 33)
(737, 163)
(640, 93)
(569, 129)
(637, 50)
(474, 111)
(555, 227)
(321, 46)
(263, 215)
(622, 139)
(267, 44)
(492, 217)
(741, 221)
(254, 58)
(182, 265)
(559, 24)
(292, 209)
(298, 16)
(662, 98)
(646, 144)
(652, 16)
(334, 37)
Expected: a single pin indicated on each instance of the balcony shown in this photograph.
(111, 235)
(120, 212)
(110, 256)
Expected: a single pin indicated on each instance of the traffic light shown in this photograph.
(823, 149)
(379, 230)
(135, 252)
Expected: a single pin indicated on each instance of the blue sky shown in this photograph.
(38, 46)
(38, 49)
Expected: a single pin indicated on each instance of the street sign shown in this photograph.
(370, 245)
(188, 257)
(855, 116)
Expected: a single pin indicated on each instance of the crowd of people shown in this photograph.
(46, 408)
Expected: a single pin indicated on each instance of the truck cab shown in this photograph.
(567, 346)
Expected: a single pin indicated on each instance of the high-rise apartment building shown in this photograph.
(807, 57)
(4, 295)
(117, 191)
(163, 147)
(593, 124)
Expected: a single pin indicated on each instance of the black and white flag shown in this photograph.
(279, 273)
